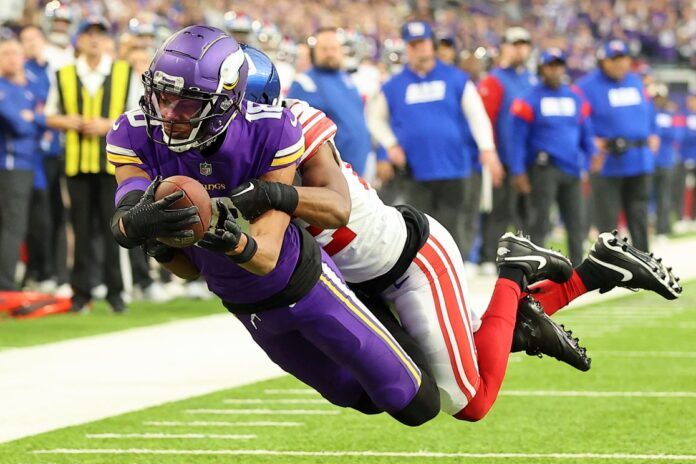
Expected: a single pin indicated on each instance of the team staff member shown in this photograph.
(422, 117)
(87, 98)
(20, 122)
(509, 80)
(551, 141)
(688, 152)
(669, 127)
(624, 121)
(328, 87)
(46, 242)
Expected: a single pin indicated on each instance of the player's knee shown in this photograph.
(424, 406)
(473, 412)
(366, 406)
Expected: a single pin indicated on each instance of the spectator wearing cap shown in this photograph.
(423, 117)
(509, 80)
(550, 145)
(46, 240)
(21, 121)
(670, 128)
(623, 119)
(328, 87)
(85, 100)
(447, 50)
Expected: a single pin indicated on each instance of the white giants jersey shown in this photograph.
(375, 236)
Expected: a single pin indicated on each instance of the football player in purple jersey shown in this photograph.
(194, 121)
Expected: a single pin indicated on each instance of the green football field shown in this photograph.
(636, 405)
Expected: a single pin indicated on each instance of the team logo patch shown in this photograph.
(206, 169)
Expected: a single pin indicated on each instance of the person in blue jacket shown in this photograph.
(623, 119)
(328, 87)
(510, 79)
(551, 141)
(46, 242)
(669, 126)
(21, 124)
(425, 117)
(688, 153)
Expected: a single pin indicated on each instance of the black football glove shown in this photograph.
(150, 218)
(255, 197)
(162, 252)
(224, 236)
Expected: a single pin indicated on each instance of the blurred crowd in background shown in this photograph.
(371, 48)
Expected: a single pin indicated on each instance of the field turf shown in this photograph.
(636, 405)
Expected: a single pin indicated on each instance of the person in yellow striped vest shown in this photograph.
(84, 102)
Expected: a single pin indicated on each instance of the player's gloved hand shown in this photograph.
(150, 218)
(162, 252)
(224, 236)
(255, 197)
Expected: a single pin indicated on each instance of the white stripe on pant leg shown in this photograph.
(455, 278)
(348, 293)
(448, 326)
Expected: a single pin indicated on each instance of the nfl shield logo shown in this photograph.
(206, 169)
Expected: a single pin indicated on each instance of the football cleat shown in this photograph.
(623, 265)
(536, 262)
(536, 334)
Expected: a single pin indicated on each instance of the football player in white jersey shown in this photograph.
(409, 259)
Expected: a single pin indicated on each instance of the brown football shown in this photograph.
(194, 195)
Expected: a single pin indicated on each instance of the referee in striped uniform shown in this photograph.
(85, 100)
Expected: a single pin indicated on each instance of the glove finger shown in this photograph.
(150, 191)
(170, 215)
(179, 233)
(180, 224)
(170, 199)
(232, 226)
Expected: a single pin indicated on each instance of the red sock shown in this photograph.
(553, 296)
(493, 341)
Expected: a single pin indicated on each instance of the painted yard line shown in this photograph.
(600, 394)
(168, 436)
(276, 401)
(223, 424)
(395, 454)
(290, 391)
(267, 412)
(646, 354)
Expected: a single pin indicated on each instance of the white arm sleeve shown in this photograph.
(478, 119)
(378, 121)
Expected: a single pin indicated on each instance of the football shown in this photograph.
(194, 195)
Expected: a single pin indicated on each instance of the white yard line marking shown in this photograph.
(646, 354)
(223, 424)
(290, 391)
(397, 454)
(168, 436)
(269, 412)
(600, 394)
(276, 401)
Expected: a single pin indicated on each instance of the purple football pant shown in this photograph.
(330, 341)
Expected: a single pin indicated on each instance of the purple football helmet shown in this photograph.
(194, 87)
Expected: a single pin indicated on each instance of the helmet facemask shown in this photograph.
(189, 117)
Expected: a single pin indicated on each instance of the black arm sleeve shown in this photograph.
(129, 200)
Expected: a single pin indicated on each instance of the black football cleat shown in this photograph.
(536, 262)
(623, 265)
(536, 334)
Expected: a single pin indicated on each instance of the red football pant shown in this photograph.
(493, 341)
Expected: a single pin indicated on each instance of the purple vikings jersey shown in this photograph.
(259, 140)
